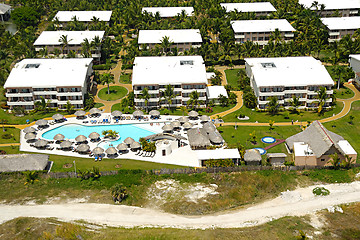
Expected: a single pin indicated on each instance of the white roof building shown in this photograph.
(169, 11)
(83, 16)
(4, 8)
(214, 92)
(42, 72)
(168, 70)
(249, 7)
(338, 23)
(218, 154)
(333, 4)
(175, 35)
(74, 37)
(262, 25)
(288, 71)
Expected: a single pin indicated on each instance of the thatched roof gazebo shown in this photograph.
(30, 136)
(95, 111)
(111, 151)
(167, 128)
(135, 145)
(41, 122)
(215, 137)
(209, 127)
(98, 151)
(187, 125)
(138, 113)
(116, 114)
(94, 136)
(29, 130)
(154, 113)
(198, 138)
(59, 137)
(175, 124)
(65, 144)
(204, 118)
(129, 140)
(80, 138)
(122, 147)
(252, 157)
(58, 117)
(80, 114)
(183, 119)
(83, 148)
(193, 114)
(41, 143)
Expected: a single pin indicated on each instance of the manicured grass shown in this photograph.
(116, 92)
(12, 119)
(98, 105)
(303, 116)
(125, 78)
(232, 77)
(117, 106)
(10, 135)
(347, 130)
(344, 93)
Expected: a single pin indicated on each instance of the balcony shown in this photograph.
(20, 103)
(65, 101)
(45, 92)
(334, 34)
(69, 94)
(19, 94)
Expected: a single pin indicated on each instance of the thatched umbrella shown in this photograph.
(41, 122)
(135, 145)
(66, 144)
(59, 137)
(175, 124)
(209, 127)
(111, 151)
(193, 114)
(183, 119)
(122, 147)
(30, 136)
(83, 148)
(29, 130)
(154, 113)
(80, 113)
(116, 113)
(138, 113)
(94, 136)
(98, 150)
(205, 118)
(94, 111)
(187, 125)
(129, 140)
(58, 117)
(41, 143)
(167, 128)
(80, 138)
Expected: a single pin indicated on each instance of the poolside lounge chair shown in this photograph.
(96, 158)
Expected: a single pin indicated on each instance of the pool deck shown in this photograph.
(183, 156)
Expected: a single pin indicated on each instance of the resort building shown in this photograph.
(335, 8)
(355, 65)
(53, 40)
(213, 93)
(252, 157)
(315, 145)
(168, 12)
(339, 27)
(182, 39)
(56, 80)
(259, 31)
(221, 153)
(259, 8)
(185, 74)
(4, 12)
(285, 77)
(82, 16)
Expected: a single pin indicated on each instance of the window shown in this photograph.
(323, 160)
(187, 62)
(268, 65)
(32, 65)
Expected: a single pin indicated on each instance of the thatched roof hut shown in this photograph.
(122, 147)
(204, 118)
(193, 114)
(111, 151)
(215, 137)
(252, 157)
(138, 113)
(154, 113)
(135, 145)
(183, 119)
(116, 113)
(59, 137)
(98, 150)
(167, 128)
(58, 117)
(41, 122)
(198, 138)
(83, 148)
(66, 144)
(41, 143)
(187, 125)
(29, 130)
(129, 140)
(30, 136)
(94, 135)
(80, 113)
(94, 111)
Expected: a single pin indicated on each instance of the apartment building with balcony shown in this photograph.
(332, 8)
(184, 73)
(182, 39)
(63, 17)
(52, 40)
(355, 65)
(259, 8)
(285, 77)
(56, 80)
(339, 27)
(168, 12)
(259, 31)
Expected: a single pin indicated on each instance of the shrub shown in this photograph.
(219, 163)
(321, 191)
(7, 136)
(118, 193)
(2, 152)
(102, 67)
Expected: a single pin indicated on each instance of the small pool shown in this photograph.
(71, 131)
(261, 150)
(268, 140)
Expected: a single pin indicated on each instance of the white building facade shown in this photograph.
(259, 8)
(259, 31)
(345, 8)
(286, 77)
(56, 80)
(184, 73)
(168, 12)
(339, 27)
(355, 65)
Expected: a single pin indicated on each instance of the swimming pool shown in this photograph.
(71, 131)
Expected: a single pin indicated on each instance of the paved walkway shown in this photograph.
(9, 144)
(237, 106)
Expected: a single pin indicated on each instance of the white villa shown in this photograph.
(56, 80)
(82, 16)
(168, 12)
(338, 27)
(4, 12)
(52, 40)
(259, 8)
(185, 73)
(346, 8)
(182, 39)
(355, 65)
(285, 77)
(214, 92)
(259, 31)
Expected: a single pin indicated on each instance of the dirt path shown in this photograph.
(291, 203)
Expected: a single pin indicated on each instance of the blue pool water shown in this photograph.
(261, 150)
(71, 131)
(268, 140)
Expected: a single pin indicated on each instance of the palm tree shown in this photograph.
(194, 99)
(295, 102)
(273, 105)
(338, 71)
(107, 78)
(42, 104)
(224, 101)
(169, 94)
(321, 96)
(183, 109)
(69, 107)
(86, 48)
(335, 160)
(3, 121)
(166, 43)
(64, 42)
(276, 36)
(146, 96)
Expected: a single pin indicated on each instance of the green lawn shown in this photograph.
(232, 77)
(10, 135)
(116, 92)
(125, 78)
(280, 117)
(98, 105)
(344, 93)
(12, 119)
(117, 106)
